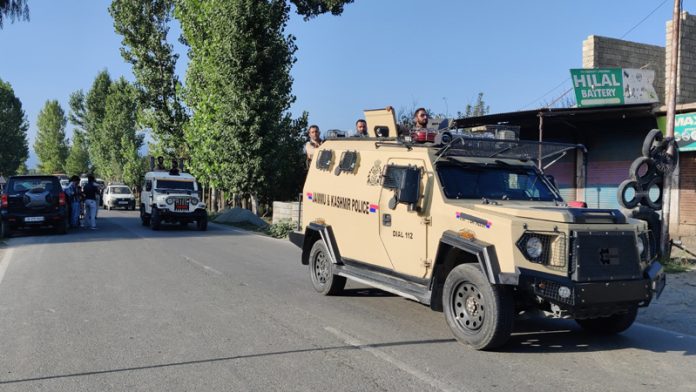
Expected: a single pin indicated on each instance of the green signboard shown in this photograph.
(684, 130)
(613, 86)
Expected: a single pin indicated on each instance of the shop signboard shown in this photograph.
(684, 130)
(613, 86)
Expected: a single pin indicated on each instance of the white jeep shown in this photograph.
(171, 198)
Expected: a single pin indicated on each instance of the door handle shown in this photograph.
(386, 220)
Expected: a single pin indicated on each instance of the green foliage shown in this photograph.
(78, 158)
(312, 8)
(479, 108)
(239, 88)
(280, 229)
(90, 111)
(118, 130)
(50, 146)
(144, 27)
(135, 166)
(14, 10)
(13, 131)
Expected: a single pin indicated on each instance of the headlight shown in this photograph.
(194, 200)
(534, 247)
(169, 200)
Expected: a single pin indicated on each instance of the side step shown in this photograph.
(392, 284)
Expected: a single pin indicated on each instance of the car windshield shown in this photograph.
(174, 184)
(120, 190)
(501, 182)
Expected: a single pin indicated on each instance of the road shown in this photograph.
(124, 308)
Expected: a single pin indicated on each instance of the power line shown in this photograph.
(624, 35)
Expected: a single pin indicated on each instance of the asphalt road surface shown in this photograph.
(124, 308)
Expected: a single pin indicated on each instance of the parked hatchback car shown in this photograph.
(118, 196)
(33, 202)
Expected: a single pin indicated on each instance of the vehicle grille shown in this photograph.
(604, 256)
(181, 204)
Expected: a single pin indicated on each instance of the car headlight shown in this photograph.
(194, 200)
(534, 247)
(169, 200)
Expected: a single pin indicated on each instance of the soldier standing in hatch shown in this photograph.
(420, 118)
(361, 128)
(313, 143)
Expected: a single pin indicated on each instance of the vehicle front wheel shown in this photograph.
(609, 325)
(155, 219)
(478, 313)
(321, 271)
(202, 222)
(144, 218)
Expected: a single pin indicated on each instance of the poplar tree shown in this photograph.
(50, 146)
(13, 9)
(13, 131)
(78, 157)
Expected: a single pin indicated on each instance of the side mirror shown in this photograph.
(409, 187)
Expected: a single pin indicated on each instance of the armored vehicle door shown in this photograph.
(403, 228)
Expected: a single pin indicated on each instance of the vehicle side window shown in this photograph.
(148, 185)
(392, 176)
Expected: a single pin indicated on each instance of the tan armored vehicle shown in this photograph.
(471, 228)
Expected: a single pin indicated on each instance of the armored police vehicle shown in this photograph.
(472, 228)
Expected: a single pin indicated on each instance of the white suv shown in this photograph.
(171, 198)
(118, 196)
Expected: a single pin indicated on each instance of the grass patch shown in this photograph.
(278, 230)
(677, 265)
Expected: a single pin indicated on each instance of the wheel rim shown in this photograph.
(468, 306)
(321, 268)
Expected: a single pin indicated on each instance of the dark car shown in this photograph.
(33, 202)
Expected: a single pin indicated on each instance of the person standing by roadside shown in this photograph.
(313, 143)
(91, 190)
(74, 195)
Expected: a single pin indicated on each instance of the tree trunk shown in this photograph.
(213, 199)
(254, 204)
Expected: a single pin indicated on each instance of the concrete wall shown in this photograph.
(604, 52)
(686, 83)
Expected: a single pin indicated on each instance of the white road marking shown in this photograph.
(388, 358)
(5, 262)
(205, 267)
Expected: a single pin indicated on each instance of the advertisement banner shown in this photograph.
(684, 130)
(613, 86)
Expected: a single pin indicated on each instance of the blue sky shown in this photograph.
(403, 53)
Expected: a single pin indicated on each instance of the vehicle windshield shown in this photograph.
(494, 182)
(120, 190)
(174, 184)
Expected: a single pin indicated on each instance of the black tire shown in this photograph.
(642, 170)
(609, 325)
(202, 223)
(478, 313)
(4, 229)
(321, 272)
(651, 142)
(655, 204)
(624, 187)
(155, 219)
(144, 218)
(446, 137)
(62, 227)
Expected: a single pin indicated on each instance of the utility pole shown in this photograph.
(671, 109)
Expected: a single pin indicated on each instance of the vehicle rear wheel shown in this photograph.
(609, 325)
(478, 313)
(321, 271)
(202, 222)
(155, 219)
(62, 226)
(4, 229)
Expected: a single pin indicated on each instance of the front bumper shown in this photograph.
(595, 299)
(181, 216)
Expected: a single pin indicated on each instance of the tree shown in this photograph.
(144, 25)
(50, 145)
(118, 130)
(239, 88)
(78, 158)
(134, 167)
(13, 9)
(479, 108)
(87, 112)
(13, 131)
(312, 8)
